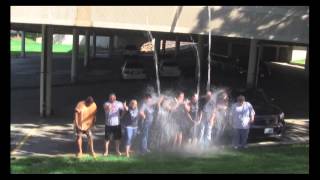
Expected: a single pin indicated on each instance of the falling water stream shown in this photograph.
(155, 56)
(165, 125)
(198, 74)
(209, 51)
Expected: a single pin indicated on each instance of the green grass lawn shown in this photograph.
(272, 159)
(300, 61)
(34, 47)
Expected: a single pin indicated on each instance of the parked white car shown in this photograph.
(169, 69)
(133, 70)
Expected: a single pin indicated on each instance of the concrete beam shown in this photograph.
(259, 24)
(46, 72)
(75, 55)
(86, 49)
(252, 65)
(23, 44)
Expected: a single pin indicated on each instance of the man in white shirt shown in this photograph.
(207, 120)
(241, 114)
(113, 110)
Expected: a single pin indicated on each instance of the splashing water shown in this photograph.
(198, 75)
(155, 56)
(209, 51)
(166, 125)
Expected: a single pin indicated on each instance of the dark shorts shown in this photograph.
(79, 132)
(112, 132)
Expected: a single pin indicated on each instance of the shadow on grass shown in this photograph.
(278, 159)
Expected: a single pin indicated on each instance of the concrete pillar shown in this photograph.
(290, 50)
(23, 44)
(115, 42)
(46, 72)
(86, 49)
(94, 45)
(75, 55)
(306, 65)
(177, 47)
(252, 64)
(277, 53)
(200, 46)
(157, 42)
(229, 49)
(203, 65)
(164, 47)
(111, 44)
(260, 51)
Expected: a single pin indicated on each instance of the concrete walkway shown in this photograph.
(59, 140)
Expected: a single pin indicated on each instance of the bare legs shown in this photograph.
(118, 147)
(128, 150)
(106, 148)
(178, 140)
(117, 142)
(79, 144)
(90, 143)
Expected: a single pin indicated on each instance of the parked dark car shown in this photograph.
(238, 65)
(131, 50)
(269, 118)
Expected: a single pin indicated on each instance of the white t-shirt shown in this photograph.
(241, 115)
(208, 109)
(112, 117)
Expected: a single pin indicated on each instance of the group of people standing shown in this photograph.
(173, 121)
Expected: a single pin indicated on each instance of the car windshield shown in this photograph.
(170, 64)
(254, 97)
(131, 47)
(132, 58)
(134, 65)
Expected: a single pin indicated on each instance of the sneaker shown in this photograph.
(235, 147)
